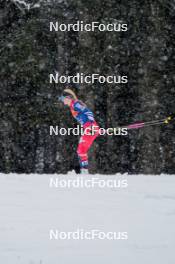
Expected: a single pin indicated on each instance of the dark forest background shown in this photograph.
(29, 52)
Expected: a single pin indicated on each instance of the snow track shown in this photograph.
(29, 209)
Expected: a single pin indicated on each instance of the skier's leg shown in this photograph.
(83, 147)
(82, 152)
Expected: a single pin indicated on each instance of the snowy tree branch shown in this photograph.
(22, 5)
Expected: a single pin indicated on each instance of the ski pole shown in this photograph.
(149, 123)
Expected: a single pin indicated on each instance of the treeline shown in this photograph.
(29, 52)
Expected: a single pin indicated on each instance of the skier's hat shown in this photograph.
(69, 93)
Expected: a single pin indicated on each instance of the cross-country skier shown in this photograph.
(86, 118)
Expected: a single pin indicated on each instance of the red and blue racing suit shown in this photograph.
(86, 118)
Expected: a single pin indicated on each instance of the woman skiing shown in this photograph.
(86, 118)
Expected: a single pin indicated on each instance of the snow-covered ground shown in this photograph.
(29, 209)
